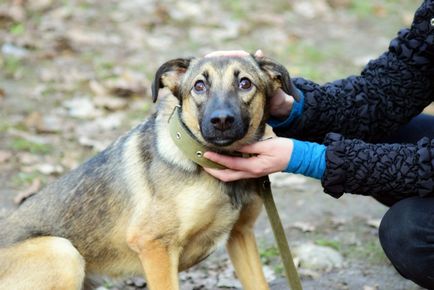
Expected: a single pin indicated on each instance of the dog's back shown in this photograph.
(93, 194)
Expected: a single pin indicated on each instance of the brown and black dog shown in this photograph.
(141, 206)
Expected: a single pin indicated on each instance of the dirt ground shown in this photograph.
(74, 75)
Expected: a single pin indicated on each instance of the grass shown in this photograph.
(368, 251)
(20, 144)
(270, 256)
(328, 243)
(11, 66)
(17, 29)
(25, 178)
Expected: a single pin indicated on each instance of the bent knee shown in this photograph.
(406, 235)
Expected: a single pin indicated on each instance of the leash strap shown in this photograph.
(279, 233)
(188, 144)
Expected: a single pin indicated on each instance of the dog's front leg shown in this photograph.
(160, 264)
(243, 250)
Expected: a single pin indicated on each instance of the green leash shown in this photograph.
(188, 144)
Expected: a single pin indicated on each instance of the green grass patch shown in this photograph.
(368, 251)
(236, 8)
(25, 178)
(11, 66)
(21, 144)
(268, 254)
(328, 243)
(17, 29)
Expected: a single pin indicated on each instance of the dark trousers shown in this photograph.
(407, 229)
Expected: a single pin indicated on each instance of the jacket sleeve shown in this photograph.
(390, 90)
(385, 171)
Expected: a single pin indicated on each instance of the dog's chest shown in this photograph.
(206, 216)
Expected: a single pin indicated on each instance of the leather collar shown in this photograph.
(187, 143)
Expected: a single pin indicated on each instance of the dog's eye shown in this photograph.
(245, 84)
(199, 87)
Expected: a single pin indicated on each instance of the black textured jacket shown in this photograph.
(390, 91)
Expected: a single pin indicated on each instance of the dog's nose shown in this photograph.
(222, 120)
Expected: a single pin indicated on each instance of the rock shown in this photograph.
(44, 123)
(82, 108)
(375, 223)
(128, 84)
(315, 257)
(49, 169)
(304, 226)
(39, 5)
(268, 273)
(227, 279)
(110, 103)
(137, 282)
(10, 49)
(311, 9)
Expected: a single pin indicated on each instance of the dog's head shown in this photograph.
(224, 99)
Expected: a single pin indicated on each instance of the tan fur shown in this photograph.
(141, 207)
(41, 263)
(243, 250)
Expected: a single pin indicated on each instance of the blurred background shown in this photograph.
(74, 75)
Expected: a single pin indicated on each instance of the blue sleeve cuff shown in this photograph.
(296, 111)
(308, 159)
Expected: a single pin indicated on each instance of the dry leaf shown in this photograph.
(5, 156)
(304, 226)
(366, 287)
(31, 190)
(375, 223)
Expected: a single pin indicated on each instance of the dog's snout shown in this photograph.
(222, 120)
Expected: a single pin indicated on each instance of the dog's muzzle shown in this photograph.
(222, 127)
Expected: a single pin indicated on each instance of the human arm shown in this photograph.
(389, 92)
(385, 171)
(388, 172)
(269, 156)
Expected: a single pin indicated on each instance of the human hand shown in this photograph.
(271, 155)
(280, 103)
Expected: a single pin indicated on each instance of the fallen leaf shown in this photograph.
(97, 88)
(49, 169)
(110, 103)
(304, 226)
(82, 108)
(5, 156)
(375, 223)
(128, 84)
(31, 190)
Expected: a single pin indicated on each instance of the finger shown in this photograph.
(227, 175)
(259, 147)
(227, 53)
(234, 163)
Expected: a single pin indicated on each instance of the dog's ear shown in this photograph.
(169, 75)
(278, 75)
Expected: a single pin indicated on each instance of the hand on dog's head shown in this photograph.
(224, 99)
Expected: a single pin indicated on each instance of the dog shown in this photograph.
(141, 207)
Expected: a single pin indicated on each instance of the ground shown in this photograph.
(76, 74)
